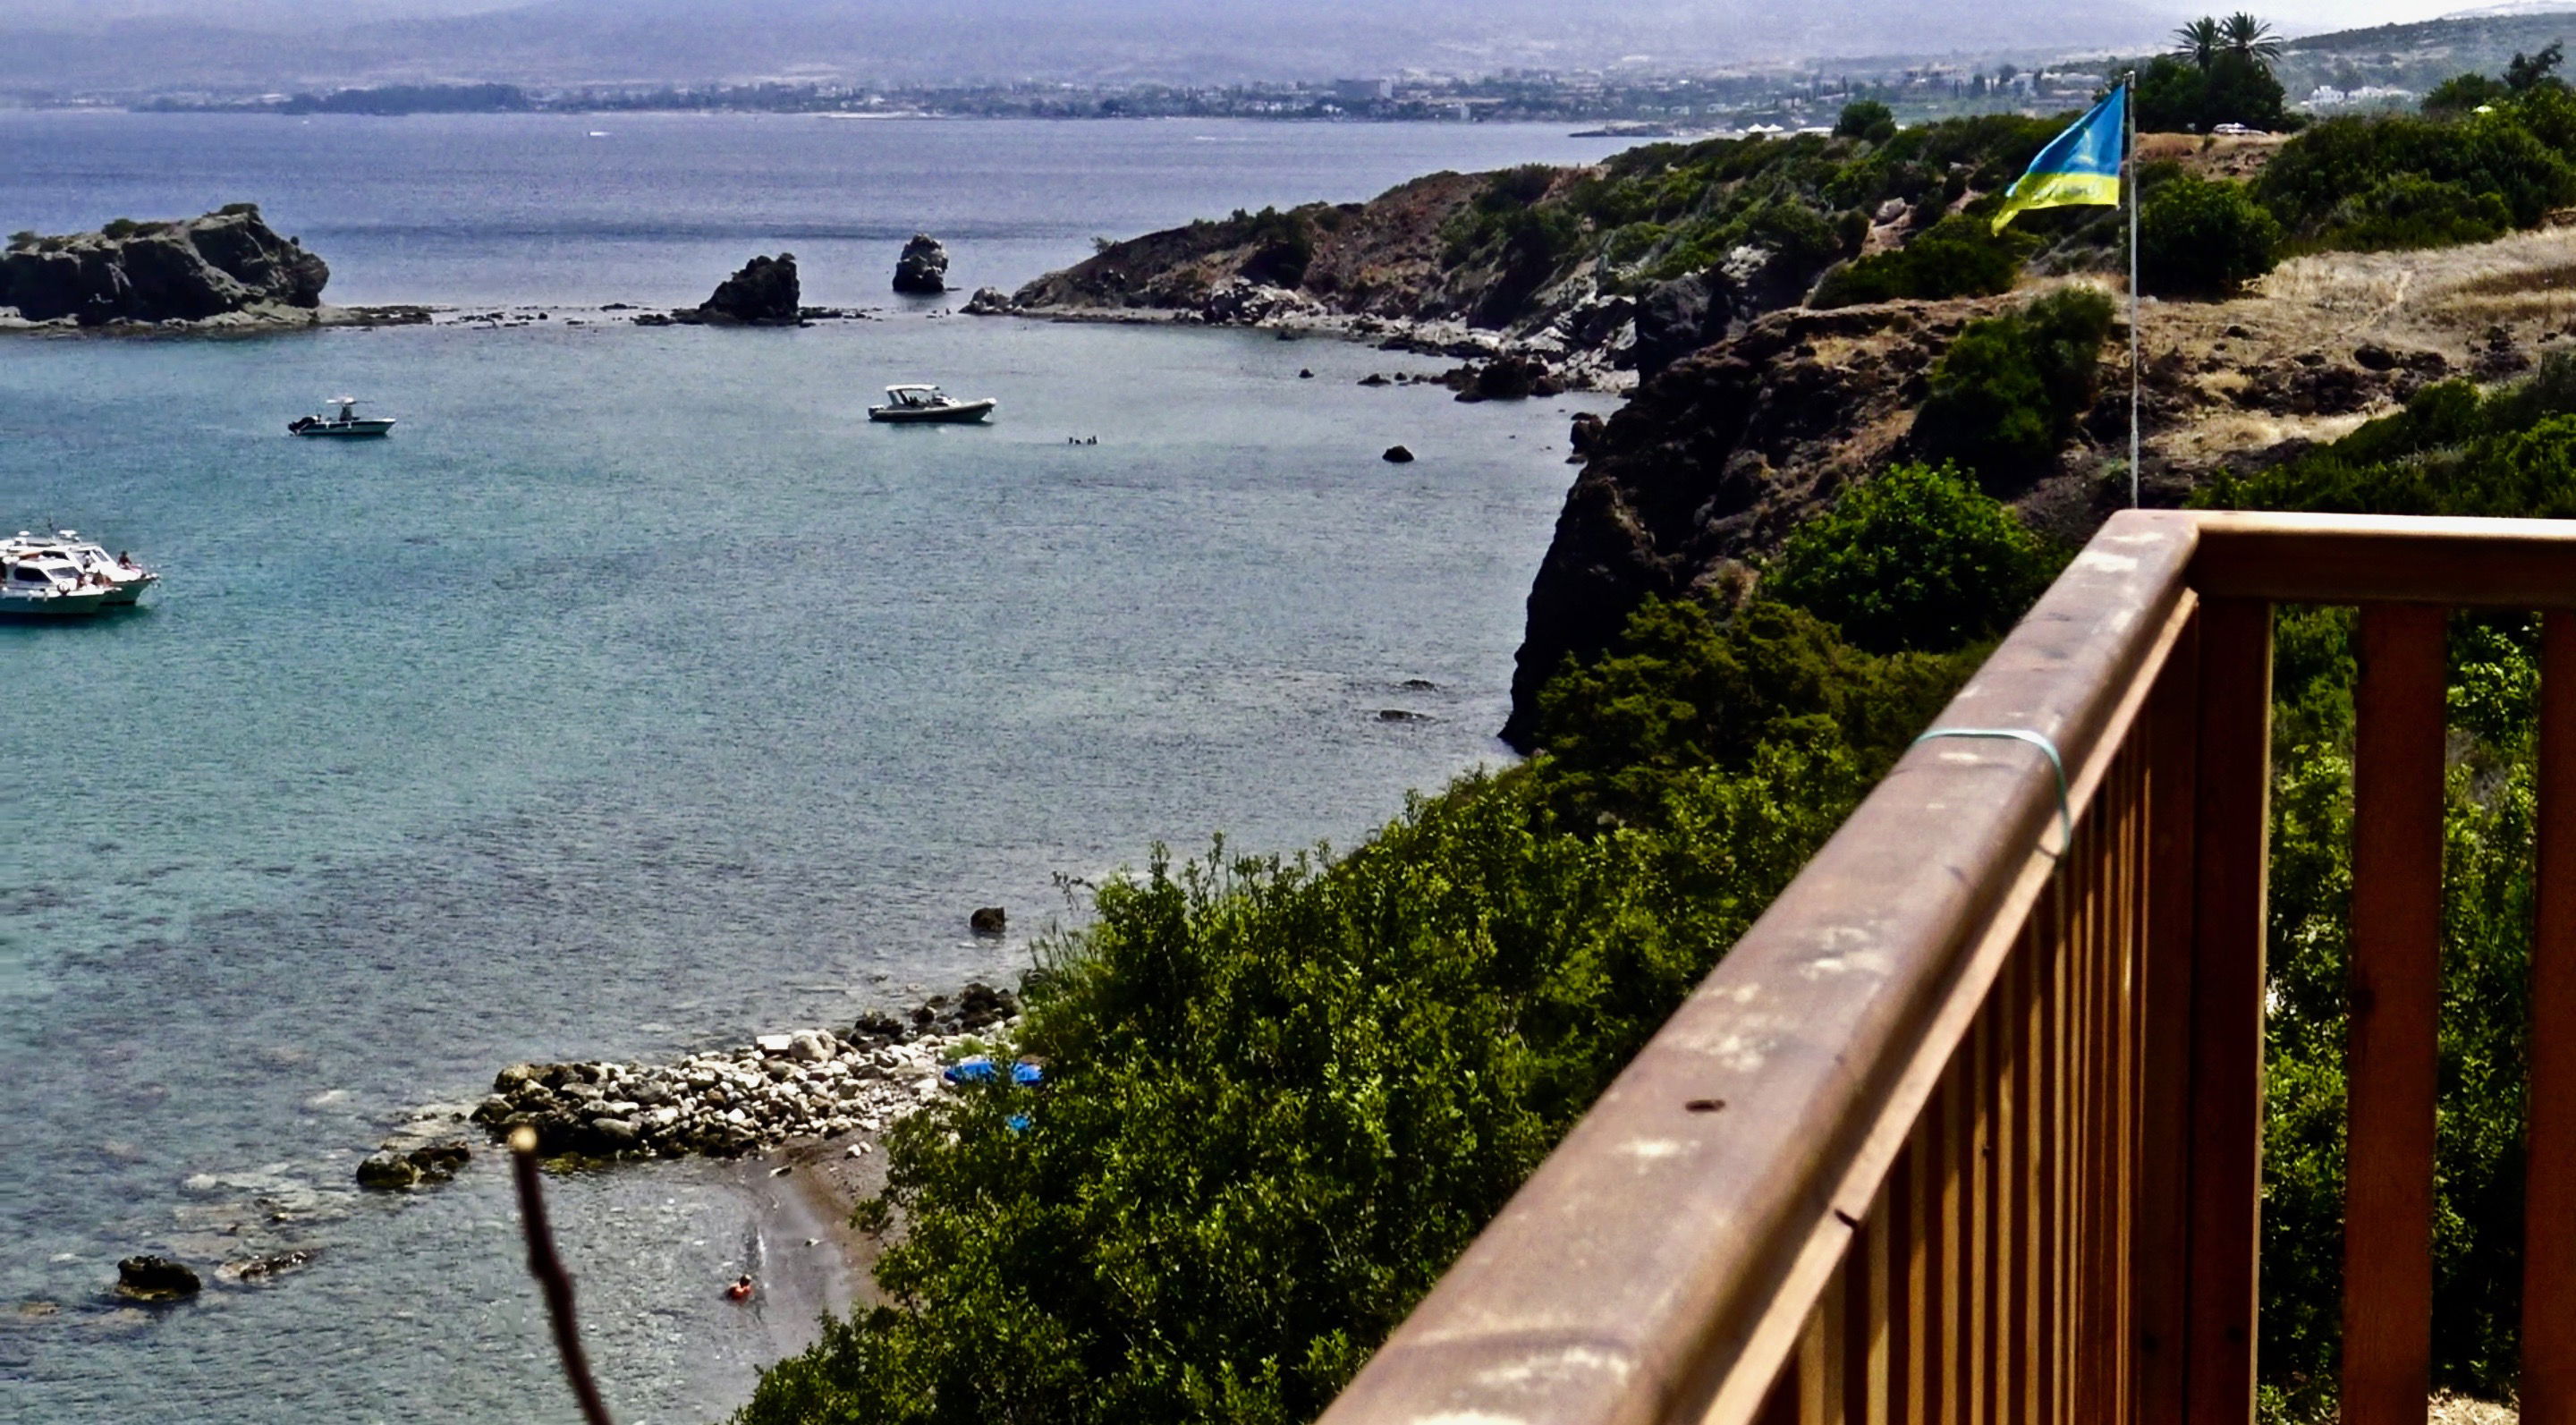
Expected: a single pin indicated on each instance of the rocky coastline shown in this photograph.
(799, 1086)
(225, 271)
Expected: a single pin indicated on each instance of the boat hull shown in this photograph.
(959, 413)
(354, 430)
(85, 604)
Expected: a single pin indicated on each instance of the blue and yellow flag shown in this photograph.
(2079, 166)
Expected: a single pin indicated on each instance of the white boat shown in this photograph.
(345, 421)
(62, 575)
(928, 403)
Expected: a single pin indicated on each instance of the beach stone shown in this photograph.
(438, 1162)
(387, 1171)
(988, 920)
(989, 302)
(923, 268)
(152, 1278)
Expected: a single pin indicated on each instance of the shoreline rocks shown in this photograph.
(227, 263)
(922, 271)
(808, 1083)
(156, 1279)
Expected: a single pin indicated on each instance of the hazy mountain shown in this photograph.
(131, 45)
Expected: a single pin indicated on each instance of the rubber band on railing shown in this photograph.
(2057, 764)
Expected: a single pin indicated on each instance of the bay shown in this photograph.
(637, 695)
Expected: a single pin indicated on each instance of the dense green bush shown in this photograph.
(1866, 119)
(1959, 256)
(1693, 685)
(2203, 238)
(2005, 395)
(1284, 1094)
(2463, 93)
(2175, 96)
(2332, 185)
(1915, 557)
(2409, 210)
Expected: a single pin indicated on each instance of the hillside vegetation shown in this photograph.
(1284, 1092)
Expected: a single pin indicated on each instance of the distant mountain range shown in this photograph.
(129, 47)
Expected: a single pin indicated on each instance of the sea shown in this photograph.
(638, 696)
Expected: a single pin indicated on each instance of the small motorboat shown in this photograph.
(344, 421)
(928, 403)
(62, 575)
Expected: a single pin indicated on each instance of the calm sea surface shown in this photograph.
(637, 695)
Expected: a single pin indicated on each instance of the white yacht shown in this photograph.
(344, 421)
(912, 404)
(62, 574)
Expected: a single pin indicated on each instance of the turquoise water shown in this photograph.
(635, 695)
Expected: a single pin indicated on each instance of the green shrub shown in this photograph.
(2006, 394)
(1959, 256)
(2462, 93)
(1282, 1096)
(1915, 557)
(1866, 119)
(2197, 237)
(1695, 685)
(120, 228)
(2175, 96)
(2321, 171)
(2409, 210)
(239, 210)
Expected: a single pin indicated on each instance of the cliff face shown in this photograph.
(189, 270)
(1714, 460)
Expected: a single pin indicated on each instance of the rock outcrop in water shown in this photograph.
(923, 268)
(227, 267)
(765, 293)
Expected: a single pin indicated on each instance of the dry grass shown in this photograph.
(2460, 1410)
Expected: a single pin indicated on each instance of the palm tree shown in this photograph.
(2200, 41)
(2250, 37)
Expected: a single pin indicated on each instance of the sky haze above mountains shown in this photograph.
(65, 46)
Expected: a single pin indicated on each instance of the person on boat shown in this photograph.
(741, 1289)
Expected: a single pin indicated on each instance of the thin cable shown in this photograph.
(2057, 764)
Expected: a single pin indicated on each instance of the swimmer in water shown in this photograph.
(741, 1288)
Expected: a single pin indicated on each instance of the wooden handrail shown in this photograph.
(1966, 1126)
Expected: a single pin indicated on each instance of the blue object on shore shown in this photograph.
(1025, 1073)
(970, 1071)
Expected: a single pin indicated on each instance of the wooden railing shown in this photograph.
(1968, 1126)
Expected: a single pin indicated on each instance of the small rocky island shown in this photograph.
(225, 269)
(922, 271)
(764, 293)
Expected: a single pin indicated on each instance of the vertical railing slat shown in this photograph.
(2230, 835)
(2395, 991)
(2549, 1191)
(2157, 1248)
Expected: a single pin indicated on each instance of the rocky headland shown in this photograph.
(1396, 271)
(225, 271)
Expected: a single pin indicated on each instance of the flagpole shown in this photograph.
(2129, 115)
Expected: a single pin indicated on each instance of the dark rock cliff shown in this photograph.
(1714, 460)
(187, 270)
